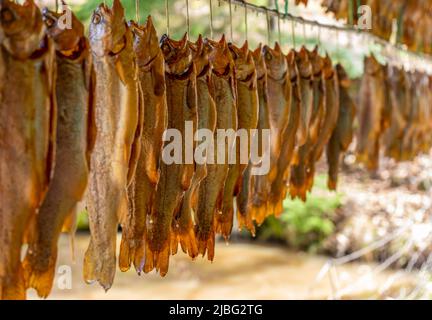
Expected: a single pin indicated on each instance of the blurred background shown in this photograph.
(370, 240)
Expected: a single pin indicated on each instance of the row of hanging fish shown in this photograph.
(86, 118)
(395, 110)
(412, 17)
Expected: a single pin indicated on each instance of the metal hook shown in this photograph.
(167, 17)
(211, 19)
(187, 17)
(137, 11)
(246, 22)
(279, 28)
(293, 33)
(268, 28)
(231, 23)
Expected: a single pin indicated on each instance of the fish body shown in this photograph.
(212, 187)
(183, 224)
(289, 138)
(260, 185)
(279, 101)
(298, 187)
(371, 105)
(119, 117)
(27, 133)
(176, 178)
(74, 142)
(247, 119)
(151, 70)
(343, 133)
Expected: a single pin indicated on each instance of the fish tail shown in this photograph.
(99, 268)
(205, 243)
(223, 221)
(12, 287)
(261, 213)
(157, 259)
(127, 252)
(245, 221)
(188, 243)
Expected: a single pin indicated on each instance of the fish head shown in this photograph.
(303, 63)
(260, 65)
(107, 29)
(178, 55)
(328, 67)
(22, 27)
(275, 61)
(65, 39)
(200, 54)
(220, 56)
(316, 60)
(344, 80)
(243, 60)
(146, 42)
(292, 64)
(371, 65)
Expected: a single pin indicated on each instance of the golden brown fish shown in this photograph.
(343, 133)
(27, 132)
(75, 140)
(176, 177)
(331, 85)
(260, 186)
(319, 109)
(298, 171)
(289, 138)
(247, 119)
(183, 224)
(279, 101)
(371, 106)
(151, 67)
(119, 117)
(211, 188)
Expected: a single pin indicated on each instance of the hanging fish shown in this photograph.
(211, 188)
(343, 133)
(279, 102)
(74, 143)
(27, 133)
(371, 106)
(119, 117)
(183, 224)
(319, 109)
(331, 89)
(151, 67)
(298, 171)
(247, 119)
(289, 138)
(260, 186)
(176, 178)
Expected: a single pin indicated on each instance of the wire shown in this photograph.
(268, 27)
(211, 18)
(137, 11)
(289, 17)
(246, 22)
(167, 17)
(187, 17)
(231, 22)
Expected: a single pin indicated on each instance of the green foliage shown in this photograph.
(304, 225)
(82, 220)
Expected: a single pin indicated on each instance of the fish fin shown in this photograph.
(120, 70)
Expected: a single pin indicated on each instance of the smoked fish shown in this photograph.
(151, 68)
(260, 185)
(119, 120)
(28, 114)
(176, 177)
(183, 232)
(74, 143)
(279, 101)
(371, 107)
(298, 187)
(289, 137)
(343, 133)
(247, 119)
(212, 187)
